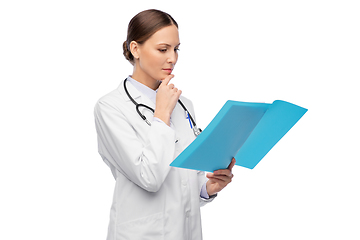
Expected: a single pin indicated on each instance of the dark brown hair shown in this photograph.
(142, 26)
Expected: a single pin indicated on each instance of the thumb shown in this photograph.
(233, 161)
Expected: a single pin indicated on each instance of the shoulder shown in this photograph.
(113, 99)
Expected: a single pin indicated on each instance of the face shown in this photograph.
(156, 57)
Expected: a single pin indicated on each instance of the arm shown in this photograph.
(145, 163)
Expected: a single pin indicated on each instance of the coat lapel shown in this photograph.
(138, 97)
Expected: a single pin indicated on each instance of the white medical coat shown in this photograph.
(151, 199)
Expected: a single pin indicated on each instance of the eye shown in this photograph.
(163, 50)
(176, 49)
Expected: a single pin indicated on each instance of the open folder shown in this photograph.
(244, 130)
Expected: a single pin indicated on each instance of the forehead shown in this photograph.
(168, 35)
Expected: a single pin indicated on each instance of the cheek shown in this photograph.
(157, 60)
(149, 60)
(153, 62)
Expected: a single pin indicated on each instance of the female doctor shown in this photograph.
(141, 129)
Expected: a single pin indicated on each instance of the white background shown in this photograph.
(58, 57)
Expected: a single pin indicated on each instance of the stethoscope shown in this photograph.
(193, 126)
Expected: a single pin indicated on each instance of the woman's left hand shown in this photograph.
(219, 179)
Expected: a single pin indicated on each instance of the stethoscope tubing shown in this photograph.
(196, 130)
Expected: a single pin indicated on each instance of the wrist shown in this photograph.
(209, 191)
(163, 117)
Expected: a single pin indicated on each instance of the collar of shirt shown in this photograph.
(148, 92)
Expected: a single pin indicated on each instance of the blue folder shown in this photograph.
(244, 130)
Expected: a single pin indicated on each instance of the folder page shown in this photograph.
(246, 131)
(276, 122)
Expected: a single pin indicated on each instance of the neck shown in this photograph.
(145, 79)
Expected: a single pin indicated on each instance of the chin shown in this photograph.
(161, 76)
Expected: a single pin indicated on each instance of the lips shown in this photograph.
(168, 70)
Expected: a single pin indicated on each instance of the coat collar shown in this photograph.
(143, 89)
(138, 96)
(134, 93)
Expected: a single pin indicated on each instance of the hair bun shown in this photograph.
(127, 53)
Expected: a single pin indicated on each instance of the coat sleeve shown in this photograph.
(145, 163)
(202, 179)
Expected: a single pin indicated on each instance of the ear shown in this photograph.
(134, 49)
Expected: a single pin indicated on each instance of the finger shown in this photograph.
(210, 175)
(171, 86)
(223, 172)
(222, 178)
(232, 164)
(166, 80)
(178, 93)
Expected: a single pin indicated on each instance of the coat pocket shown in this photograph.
(146, 228)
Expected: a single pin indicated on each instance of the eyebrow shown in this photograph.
(166, 44)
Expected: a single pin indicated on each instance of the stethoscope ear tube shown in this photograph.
(197, 131)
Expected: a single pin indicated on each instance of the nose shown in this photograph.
(172, 57)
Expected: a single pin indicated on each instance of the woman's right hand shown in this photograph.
(166, 99)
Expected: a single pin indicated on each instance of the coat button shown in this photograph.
(184, 183)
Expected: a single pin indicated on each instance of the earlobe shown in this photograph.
(134, 49)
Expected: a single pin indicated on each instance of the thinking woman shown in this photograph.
(142, 127)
